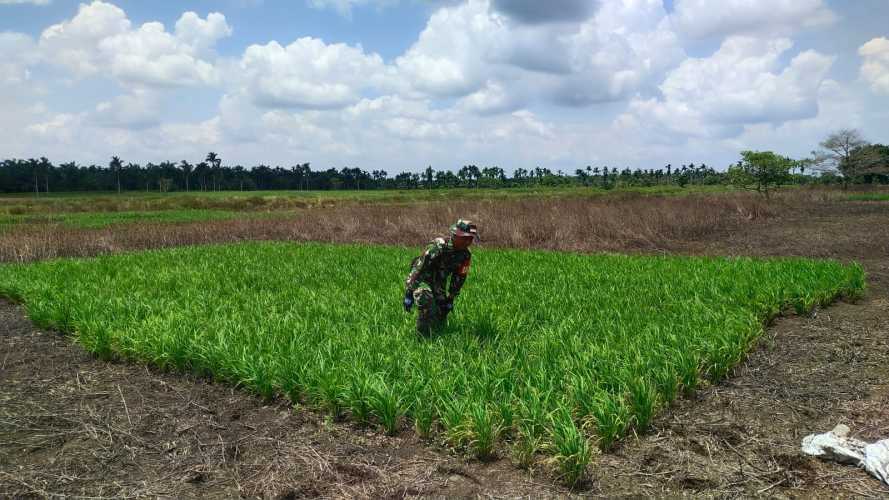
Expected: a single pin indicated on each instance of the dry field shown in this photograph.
(73, 425)
(614, 223)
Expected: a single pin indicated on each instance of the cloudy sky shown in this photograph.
(401, 84)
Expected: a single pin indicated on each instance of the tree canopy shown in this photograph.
(761, 171)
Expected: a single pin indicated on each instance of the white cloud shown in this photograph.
(100, 39)
(492, 98)
(74, 43)
(137, 110)
(704, 18)
(838, 107)
(474, 51)
(523, 123)
(17, 53)
(624, 47)
(875, 67)
(61, 127)
(449, 58)
(397, 122)
(344, 7)
(202, 34)
(187, 136)
(308, 74)
(296, 132)
(370, 126)
(20, 93)
(740, 84)
(152, 56)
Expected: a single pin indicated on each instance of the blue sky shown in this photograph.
(401, 84)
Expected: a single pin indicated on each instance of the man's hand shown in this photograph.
(408, 300)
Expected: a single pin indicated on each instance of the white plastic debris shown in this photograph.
(837, 445)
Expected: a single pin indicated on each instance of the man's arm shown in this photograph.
(458, 278)
(421, 263)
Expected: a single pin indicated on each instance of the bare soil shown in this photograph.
(71, 425)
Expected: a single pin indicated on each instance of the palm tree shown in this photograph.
(46, 168)
(186, 169)
(215, 163)
(465, 174)
(200, 170)
(581, 175)
(35, 169)
(116, 165)
(428, 176)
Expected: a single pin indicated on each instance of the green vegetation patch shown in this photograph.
(869, 197)
(544, 351)
(59, 203)
(98, 220)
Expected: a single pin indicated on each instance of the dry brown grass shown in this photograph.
(595, 224)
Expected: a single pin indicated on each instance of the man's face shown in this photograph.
(462, 242)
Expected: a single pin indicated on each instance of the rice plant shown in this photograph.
(571, 449)
(550, 351)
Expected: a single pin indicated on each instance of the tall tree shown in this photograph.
(35, 171)
(116, 166)
(465, 174)
(200, 170)
(581, 176)
(429, 177)
(186, 171)
(837, 154)
(215, 163)
(46, 168)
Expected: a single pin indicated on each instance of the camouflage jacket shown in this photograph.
(438, 262)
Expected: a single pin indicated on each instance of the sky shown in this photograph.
(401, 84)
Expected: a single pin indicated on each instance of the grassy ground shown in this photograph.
(20, 204)
(95, 220)
(99, 220)
(591, 350)
(869, 197)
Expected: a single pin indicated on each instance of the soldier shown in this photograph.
(428, 279)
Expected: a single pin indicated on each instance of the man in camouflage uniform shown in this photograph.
(428, 279)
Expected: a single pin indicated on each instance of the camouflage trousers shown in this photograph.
(430, 313)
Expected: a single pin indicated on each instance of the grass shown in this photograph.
(96, 220)
(23, 203)
(868, 197)
(548, 351)
(611, 223)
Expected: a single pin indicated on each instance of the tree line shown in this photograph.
(844, 158)
(40, 175)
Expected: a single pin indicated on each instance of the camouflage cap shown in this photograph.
(465, 228)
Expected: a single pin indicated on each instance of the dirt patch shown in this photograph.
(73, 425)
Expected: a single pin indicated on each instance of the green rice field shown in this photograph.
(98, 220)
(869, 197)
(546, 352)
